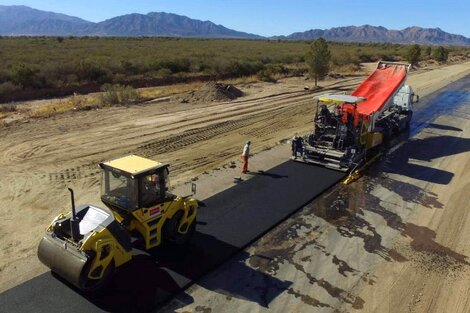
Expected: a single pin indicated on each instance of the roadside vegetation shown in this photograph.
(318, 59)
(41, 67)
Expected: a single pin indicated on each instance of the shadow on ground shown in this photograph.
(144, 283)
(426, 150)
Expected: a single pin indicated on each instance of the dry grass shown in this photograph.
(75, 103)
(348, 69)
(8, 107)
(242, 80)
(164, 91)
(5, 111)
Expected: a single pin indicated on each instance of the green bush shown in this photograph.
(164, 72)
(440, 54)
(118, 95)
(25, 76)
(91, 72)
(366, 57)
(174, 65)
(266, 76)
(413, 54)
(237, 68)
(8, 88)
(341, 58)
(426, 52)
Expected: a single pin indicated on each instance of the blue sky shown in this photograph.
(279, 17)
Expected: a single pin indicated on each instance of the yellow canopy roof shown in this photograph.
(133, 164)
(339, 98)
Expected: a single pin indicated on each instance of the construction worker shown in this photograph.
(294, 146)
(297, 146)
(300, 147)
(245, 156)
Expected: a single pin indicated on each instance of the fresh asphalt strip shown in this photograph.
(228, 222)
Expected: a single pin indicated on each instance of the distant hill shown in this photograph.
(164, 24)
(22, 20)
(368, 33)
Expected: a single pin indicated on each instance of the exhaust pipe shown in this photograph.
(74, 221)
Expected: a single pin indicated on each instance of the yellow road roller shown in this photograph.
(86, 245)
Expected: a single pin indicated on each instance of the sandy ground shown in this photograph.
(39, 158)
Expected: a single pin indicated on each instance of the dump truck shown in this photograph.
(86, 245)
(351, 129)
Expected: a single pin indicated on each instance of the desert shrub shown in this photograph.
(413, 54)
(118, 94)
(164, 72)
(365, 57)
(342, 58)
(7, 107)
(57, 75)
(8, 88)
(426, 52)
(89, 71)
(174, 65)
(4, 76)
(266, 76)
(128, 67)
(387, 57)
(440, 54)
(236, 68)
(25, 76)
(244, 68)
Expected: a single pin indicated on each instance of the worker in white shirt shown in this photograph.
(245, 156)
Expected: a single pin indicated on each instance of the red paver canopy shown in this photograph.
(377, 89)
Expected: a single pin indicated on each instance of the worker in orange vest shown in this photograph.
(245, 156)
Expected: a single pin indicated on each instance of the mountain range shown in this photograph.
(25, 21)
(368, 33)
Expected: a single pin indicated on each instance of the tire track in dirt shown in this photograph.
(193, 136)
(272, 113)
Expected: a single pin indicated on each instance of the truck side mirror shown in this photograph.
(417, 98)
(193, 188)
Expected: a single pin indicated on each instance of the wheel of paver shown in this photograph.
(171, 233)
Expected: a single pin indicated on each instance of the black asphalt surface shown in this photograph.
(230, 221)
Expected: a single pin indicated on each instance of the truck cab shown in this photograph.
(405, 98)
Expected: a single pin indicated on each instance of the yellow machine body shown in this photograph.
(135, 192)
(374, 139)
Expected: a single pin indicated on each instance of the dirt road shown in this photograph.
(40, 157)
